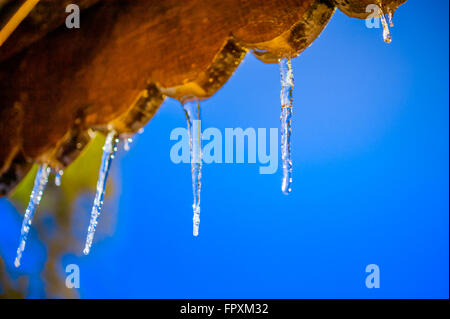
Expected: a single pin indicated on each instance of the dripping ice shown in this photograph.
(192, 110)
(287, 85)
(35, 198)
(109, 151)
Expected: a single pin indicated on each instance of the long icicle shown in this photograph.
(109, 151)
(192, 110)
(287, 85)
(35, 198)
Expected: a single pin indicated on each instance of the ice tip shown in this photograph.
(195, 231)
(286, 184)
(196, 225)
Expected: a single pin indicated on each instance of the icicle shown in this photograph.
(287, 85)
(386, 33)
(192, 110)
(58, 176)
(109, 151)
(36, 194)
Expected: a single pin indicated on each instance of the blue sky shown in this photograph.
(370, 154)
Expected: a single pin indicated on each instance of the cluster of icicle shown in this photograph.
(192, 111)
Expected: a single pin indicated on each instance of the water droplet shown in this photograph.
(40, 182)
(58, 176)
(126, 143)
(287, 86)
(192, 110)
(109, 151)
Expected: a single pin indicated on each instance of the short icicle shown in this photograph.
(109, 151)
(391, 21)
(192, 110)
(36, 195)
(287, 86)
(58, 176)
(386, 33)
